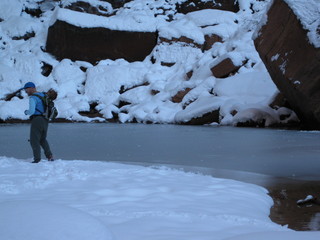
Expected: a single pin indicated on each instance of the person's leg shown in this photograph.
(43, 141)
(35, 135)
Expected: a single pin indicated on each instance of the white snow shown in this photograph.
(37, 220)
(10, 8)
(77, 199)
(144, 22)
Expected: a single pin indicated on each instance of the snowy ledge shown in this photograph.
(126, 23)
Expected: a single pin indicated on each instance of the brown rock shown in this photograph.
(9, 96)
(210, 40)
(279, 101)
(94, 44)
(189, 75)
(93, 112)
(183, 39)
(46, 69)
(124, 89)
(180, 95)
(154, 92)
(196, 5)
(293, 63)
(87, 8)
(25, 37)
(224, 68)
(167, 64)
(210, 117)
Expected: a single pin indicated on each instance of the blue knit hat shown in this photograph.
(29, 85)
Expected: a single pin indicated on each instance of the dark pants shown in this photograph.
(38, 135)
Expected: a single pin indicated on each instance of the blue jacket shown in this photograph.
(35, 105)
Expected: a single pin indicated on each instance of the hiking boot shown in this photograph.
(50, 159)
(35, 161)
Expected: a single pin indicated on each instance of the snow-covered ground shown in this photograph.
(246, 95)
(69, 200)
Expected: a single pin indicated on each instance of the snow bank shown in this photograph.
(90, 200)
(84, 198)
(36, 220)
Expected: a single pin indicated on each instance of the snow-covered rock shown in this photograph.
(145, 90)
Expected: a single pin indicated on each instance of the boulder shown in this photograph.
(93, 112)
(292, 62)
(210, 117)
(46, 69)
(210, 40)
(88, 8)
(196, 5)
(225, 68)
(94, 44)
(180, 95)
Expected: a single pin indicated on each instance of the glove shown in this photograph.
(26, 112)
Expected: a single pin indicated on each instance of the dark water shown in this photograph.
(278, 153)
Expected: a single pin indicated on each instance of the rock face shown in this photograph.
(293, 63)
(94, 44)
(195, 5)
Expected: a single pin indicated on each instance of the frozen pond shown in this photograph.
(279, 153)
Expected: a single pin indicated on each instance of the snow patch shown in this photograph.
(40, 219)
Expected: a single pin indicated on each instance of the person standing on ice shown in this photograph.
(39, 124)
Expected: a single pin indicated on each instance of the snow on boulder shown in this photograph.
(291, 58)
(106, 81)
(38, 220)
(91, 38)
(18, 27)
(204, 110)
(216, 25)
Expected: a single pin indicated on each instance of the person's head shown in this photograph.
(30, 88)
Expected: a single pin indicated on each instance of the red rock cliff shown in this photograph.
(292, 61)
